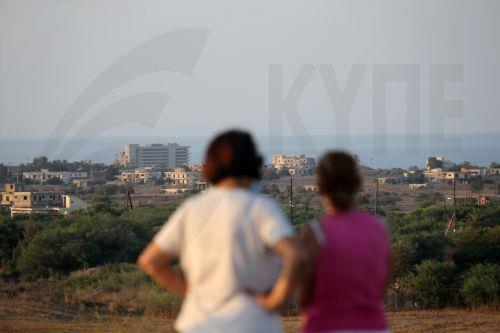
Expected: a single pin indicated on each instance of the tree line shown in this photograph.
(431, 269)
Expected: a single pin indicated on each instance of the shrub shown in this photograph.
(82, 241)
(116, 288)
(477, 245)
(432, 285)
(481, 285)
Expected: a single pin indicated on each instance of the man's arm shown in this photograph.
(158, 264)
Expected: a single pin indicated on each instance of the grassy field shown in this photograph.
(19, 316)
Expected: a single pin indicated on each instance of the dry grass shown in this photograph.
(23, 316)
(32, 307)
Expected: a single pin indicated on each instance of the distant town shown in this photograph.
(146, 174)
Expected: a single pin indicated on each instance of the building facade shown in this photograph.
(45, 175)
(198, 167)
(295, 164)
(168, 156)
(180, 176)
(437, 175)
(19, 202)
(311, 187)
(140, 175)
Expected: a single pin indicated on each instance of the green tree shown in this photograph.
(481, 285)
(80, 242)
(475, 245)
(4, 173)
(102, 204)
(40, 162)
(432, 284)
(111, 172)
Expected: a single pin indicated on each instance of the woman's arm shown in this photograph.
(293, 260)
(305, 289)
(158, 264)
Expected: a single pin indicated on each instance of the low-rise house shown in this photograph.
(140, 175)
(82, 183)
(70, 204)
(493, 171)
(388, 180)
(7, 195)
(46, 175)
(298, 171)
(449, 176)
(416, 186)
(173, 191)
(409, 173)
(201, 185)
(180, 176)
(295, 164)
(196, 167)
(20, 202)
(473, 171)
(311, 187)
(432, 177)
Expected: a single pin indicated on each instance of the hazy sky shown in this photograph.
(50, 51)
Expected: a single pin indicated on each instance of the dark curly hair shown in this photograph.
(339, 178)
(232, 154)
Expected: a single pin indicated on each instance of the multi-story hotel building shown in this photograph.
(169, 156)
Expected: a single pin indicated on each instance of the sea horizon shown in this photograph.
(401, 150)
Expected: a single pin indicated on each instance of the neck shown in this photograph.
(331, 209)
(233, 182)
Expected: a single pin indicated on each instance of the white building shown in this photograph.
(170, 155)
(140, 175)
(295, 164)
(180, 176)
(311, 187)
(45, 175)
(493, 171)
(198, 167)
(71, 204)
(437, 175)
(44, 203)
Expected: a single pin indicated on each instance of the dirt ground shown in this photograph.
(36, 318)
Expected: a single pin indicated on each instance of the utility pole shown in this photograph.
(376, 196)
(307, 215)
(291, 200)
(130, 200)
(444, 208)
(454, 195)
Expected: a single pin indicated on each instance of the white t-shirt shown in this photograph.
(224, 238)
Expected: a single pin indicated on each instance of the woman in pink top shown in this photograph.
(349, 254)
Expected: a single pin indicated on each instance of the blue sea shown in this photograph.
(374, 151)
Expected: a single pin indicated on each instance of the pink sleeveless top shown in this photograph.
(350, 275)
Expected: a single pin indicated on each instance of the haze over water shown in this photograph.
(479, 149)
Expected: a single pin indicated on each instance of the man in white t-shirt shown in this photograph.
(239, 255)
